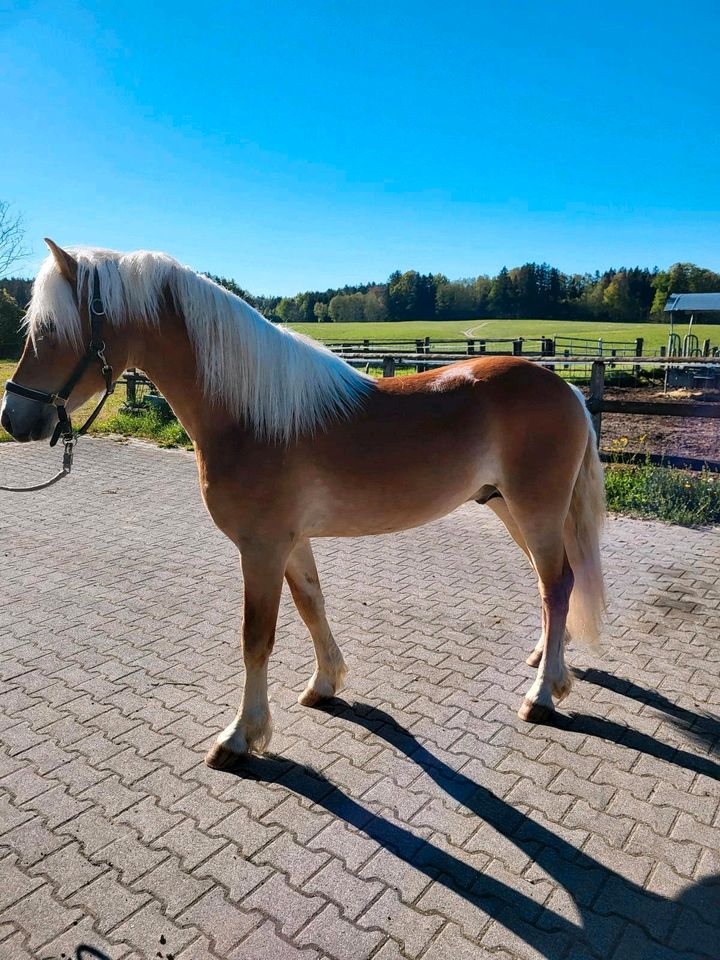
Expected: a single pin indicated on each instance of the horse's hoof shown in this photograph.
(322, 687)
(534, 659)
(310, 698)
(535, 712)
(219, 757)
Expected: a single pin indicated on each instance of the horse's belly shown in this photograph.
(367, 509)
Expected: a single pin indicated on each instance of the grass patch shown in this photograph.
(664, 493)
(146, 425)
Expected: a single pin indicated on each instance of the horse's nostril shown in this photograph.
(5, 421)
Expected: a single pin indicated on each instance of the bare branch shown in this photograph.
(12, 238)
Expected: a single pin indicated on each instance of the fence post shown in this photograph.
(481, 346)
(131, 382)
(471, 346)
(517, 347)
(706, 348)
(639, 346)
(597, 389)
(388, 366)
(366, 345)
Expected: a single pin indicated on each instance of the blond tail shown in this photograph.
(583, 527)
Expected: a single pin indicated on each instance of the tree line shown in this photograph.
(534, 290)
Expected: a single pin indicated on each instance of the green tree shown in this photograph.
(11, 334)
(502, 295)
(321, 312)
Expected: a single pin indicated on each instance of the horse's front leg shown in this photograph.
(250, 731)
(304, 583)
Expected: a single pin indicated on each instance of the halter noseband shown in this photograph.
(95, 351)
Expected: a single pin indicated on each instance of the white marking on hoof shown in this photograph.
(249, 734)
(322, 686)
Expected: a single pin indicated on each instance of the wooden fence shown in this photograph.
(496, 346)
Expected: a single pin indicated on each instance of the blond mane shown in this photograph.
(280, 382)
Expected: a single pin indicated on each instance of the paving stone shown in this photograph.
(67, 869)
(413, 930)
(149, 929)
(231, 869)
(351, 893)
(223, 922)
(290, 908)
(172, 886)
(109, 901)
(264, 942)
(338, 938)
(41, 916)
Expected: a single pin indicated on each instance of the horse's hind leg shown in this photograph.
(543, 535)
(500, 509)
(302, 577)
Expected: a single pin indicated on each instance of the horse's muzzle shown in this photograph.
(24, 422)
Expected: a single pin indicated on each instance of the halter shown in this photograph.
(64, 428)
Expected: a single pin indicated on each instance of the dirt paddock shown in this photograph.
(672, 436)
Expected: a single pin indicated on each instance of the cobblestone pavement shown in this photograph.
(416, 817)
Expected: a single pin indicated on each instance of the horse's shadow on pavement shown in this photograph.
(700, 727)
(618, 917)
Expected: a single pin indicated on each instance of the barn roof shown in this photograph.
(695, 302)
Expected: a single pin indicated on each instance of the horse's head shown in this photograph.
(53, 354)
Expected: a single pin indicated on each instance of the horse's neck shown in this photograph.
(168, 358)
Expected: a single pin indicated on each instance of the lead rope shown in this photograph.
(66, 468)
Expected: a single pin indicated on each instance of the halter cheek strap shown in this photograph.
(95, 351)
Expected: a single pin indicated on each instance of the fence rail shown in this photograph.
(471, 346)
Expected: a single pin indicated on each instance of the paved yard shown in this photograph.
(416, 817)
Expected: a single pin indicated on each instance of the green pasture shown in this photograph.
(654, 334)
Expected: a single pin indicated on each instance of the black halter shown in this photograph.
(95, 351)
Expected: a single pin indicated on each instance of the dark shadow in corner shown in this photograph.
(651, 917)
(702, 728)
(86, 952)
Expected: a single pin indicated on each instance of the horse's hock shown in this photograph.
(416, 816)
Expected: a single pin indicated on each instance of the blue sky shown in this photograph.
(300, 145)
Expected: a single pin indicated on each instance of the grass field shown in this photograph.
(655, 334)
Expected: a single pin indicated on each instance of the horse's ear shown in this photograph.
(67, 264)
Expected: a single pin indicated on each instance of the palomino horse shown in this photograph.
(292, 443)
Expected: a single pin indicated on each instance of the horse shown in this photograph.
(292, 443)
